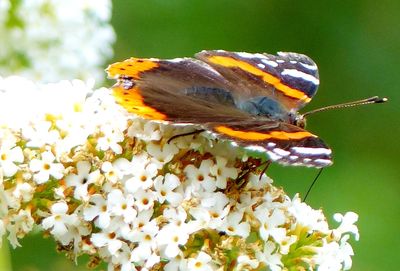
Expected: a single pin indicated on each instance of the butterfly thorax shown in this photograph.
(267, 107)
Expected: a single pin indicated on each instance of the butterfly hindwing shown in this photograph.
(284, 143)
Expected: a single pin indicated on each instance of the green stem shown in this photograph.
(5, 257)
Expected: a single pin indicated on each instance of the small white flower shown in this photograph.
(258, 183)
(222, 172)
(172, 237)
(144, 199)
(115, 171)
(23, 191)
(177, 215)
(153, 259)
(244, 262)
(214, 208)
(163, 154)
(233, 225)
(202, 262)
(110, 139)
(98, 210)
(164, 189)
(270, 224)
(45, 167)
(347, 224)
(120, 258)
(146, 130)
(270, 257)
(142, 178)
(285, 244)
(82, 180)
(108, 240)
(143, 219)
(59, 220)
(9, 156)
(39, 133)
(145, 239)
(19, 225)
(177, 263)
(308, 217)
(329, 257)
(121, 205)
(346, 252)
(200, 178)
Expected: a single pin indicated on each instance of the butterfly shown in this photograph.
(250, 99)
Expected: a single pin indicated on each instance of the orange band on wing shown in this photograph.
(133, 102)
(131, 67)
(268, 78)
(279, 135)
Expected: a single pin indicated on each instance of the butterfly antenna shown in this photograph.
(371, 100)
(312, 184)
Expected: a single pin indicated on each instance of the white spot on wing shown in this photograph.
(176, 60)
(271, 144)
(312, 151)
(281, 152)
(293, 157)
(245, 55)
(300, 74)
(262, 66)
(274, 156)
(308, 66)
(233, 143)
(323, 162)
(255, 148)
(269, 62)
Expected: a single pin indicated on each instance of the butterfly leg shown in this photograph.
(242, 180)
(185, 134)
(267, 163)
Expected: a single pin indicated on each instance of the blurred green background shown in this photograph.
(356, 45)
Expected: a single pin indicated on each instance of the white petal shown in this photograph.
(59, 208)
(9, 169)
(17, 155)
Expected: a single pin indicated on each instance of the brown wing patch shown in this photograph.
(131, 67)
(133, 102)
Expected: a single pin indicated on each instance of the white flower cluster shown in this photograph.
(49, 40)
(106, 184)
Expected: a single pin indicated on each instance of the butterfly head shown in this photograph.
(297, 119)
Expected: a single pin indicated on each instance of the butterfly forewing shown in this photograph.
(289, 78)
